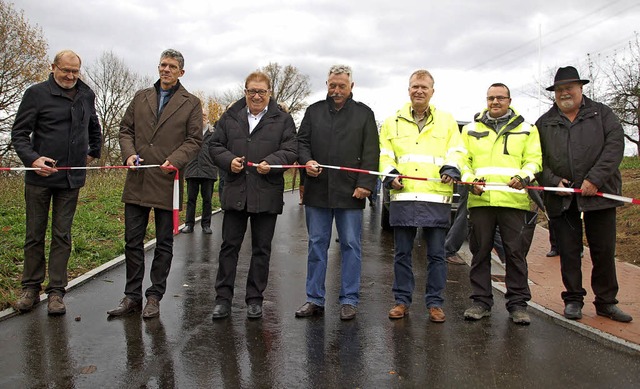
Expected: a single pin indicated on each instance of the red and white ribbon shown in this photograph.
(176, 182)
(493, 185)
(176, 202)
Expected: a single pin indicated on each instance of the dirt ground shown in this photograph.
(628, 220)
(628, 227)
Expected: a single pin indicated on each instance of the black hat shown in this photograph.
(565, 76)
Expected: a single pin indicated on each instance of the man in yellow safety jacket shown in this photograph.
(503, 151)
(423, 142)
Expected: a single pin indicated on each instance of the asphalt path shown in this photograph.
(184, 348)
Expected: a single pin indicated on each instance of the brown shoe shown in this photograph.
(398, 311)
(456, 260)
(309, 309)
(152, 308)
(436, 315)
(127, 306)
(27, 300)
(56, 306)
(348, 312)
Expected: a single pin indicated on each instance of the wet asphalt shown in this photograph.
(184, 348)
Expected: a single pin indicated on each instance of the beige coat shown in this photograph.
(175, 137)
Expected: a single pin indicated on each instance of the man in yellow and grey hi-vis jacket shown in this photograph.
(504, 149)
(424, 142)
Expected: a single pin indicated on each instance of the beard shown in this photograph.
(566, 103)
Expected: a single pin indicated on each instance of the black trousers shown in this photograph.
(600, 230)
(205, 187)
(234, 226)
(63, 204)
(516, 229)
(136, 219)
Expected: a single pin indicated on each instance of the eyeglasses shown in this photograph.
(259, 92)
(500, 98)
(75, 72)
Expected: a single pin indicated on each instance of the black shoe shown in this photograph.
(347, 312)
(187, 229)
(614, 313)
(207, 230)
(254, 311)
(552, 253)
(309, 309)
(127, 306)
(573, 311)
(221, 310)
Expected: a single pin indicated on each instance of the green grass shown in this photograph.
(97, 232)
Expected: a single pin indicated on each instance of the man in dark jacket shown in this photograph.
(162, 126)
(56, 125)
(201, 175)
(582, 147)
(336, 131)
(254, 130)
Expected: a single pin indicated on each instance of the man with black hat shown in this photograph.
(582, 147)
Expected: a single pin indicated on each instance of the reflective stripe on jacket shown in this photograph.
(496, 157)
(421, 153)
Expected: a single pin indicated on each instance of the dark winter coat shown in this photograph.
(175, 137)
(51, 124)
(347, 137)
(590, 148)
(273, 140)
(202, 165)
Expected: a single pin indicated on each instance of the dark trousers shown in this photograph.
(553, 241)
(460, 228)
(600, 229)
(63, 204)
(234, 226)
(516, 229)
(205, 187)
(136, 219)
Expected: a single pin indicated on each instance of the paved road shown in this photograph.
(185, 349)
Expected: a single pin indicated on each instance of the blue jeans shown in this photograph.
(319, 226)
(403, 280)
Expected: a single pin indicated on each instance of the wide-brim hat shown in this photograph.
(566, 75)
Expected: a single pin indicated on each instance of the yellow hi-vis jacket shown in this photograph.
(497, 157)
(421, 153)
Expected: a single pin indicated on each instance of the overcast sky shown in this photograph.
(467, 45)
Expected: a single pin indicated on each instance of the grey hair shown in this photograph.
(341, 69)
(422, 73)
(175, 54)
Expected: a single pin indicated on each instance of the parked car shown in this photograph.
(386, 199)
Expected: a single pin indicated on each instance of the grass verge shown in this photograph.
(97, 232)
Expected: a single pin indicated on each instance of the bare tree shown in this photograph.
(23, 62)
(623, 73)
(114, 85)
(289, 86)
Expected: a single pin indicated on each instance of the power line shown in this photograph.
(559, 29)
